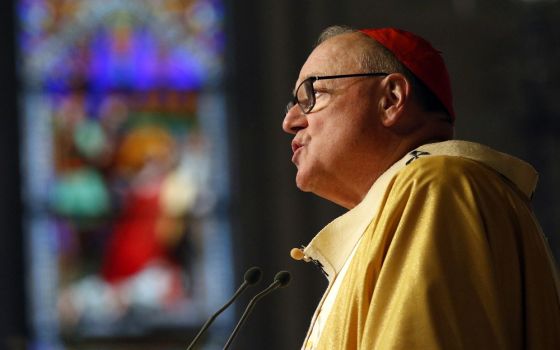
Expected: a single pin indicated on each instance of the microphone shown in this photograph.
(251, 277)
(297, 254)
(282, 279)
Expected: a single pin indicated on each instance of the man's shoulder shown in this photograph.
(468, 159)
(445, 170)
(444, 166)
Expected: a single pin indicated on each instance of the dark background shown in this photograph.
(503, 60)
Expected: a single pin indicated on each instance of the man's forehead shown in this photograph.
(336, 55)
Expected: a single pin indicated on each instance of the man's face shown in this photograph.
(336, 143)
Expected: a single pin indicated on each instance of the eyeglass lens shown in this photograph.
(306, 95)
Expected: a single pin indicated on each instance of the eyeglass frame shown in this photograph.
(311, 80)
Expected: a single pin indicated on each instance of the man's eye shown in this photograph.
(319, 92)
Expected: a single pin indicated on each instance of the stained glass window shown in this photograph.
(125, 168)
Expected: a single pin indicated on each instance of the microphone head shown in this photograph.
(283, 278)
(297, 254)
(253, 275)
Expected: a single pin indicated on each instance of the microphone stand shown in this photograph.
(252, 276)
(280, 280)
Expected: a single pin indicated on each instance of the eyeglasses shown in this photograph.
(305, 92)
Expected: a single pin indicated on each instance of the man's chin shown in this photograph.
(303, 182)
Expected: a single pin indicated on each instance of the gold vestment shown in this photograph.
(450, 256)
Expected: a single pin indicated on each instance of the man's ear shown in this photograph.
(396, 93)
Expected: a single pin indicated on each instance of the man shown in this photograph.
(439, 248)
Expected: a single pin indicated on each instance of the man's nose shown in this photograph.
(294, 120)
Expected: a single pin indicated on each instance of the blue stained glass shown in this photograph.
(185, 70)
(124, 147)
(122, 51)
(146, 61)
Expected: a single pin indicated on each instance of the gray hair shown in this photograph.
(374, 57)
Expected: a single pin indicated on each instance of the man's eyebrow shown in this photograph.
(313, 74)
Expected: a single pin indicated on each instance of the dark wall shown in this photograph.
(502, 59)
(12, 323)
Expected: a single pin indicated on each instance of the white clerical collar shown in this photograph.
(330, 248)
